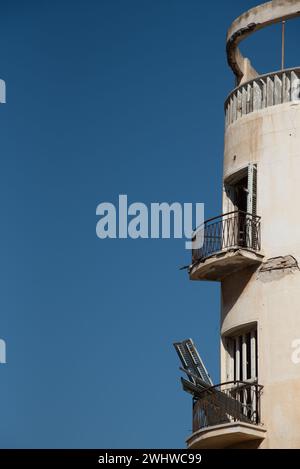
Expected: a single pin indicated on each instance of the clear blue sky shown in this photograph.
(104, 98)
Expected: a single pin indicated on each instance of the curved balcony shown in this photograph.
(247, 23)
(227, 415)
(225, 244)
(262, 92)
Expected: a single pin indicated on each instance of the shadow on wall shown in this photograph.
(229, 294)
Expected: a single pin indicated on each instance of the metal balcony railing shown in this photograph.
(262, 92)
(228, 402)
(232, 230)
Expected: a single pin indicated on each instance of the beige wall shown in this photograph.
(270, 138)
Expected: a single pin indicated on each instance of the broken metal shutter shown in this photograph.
(192, 361)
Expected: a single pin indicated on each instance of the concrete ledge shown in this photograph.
(225, 435)
(223, 263)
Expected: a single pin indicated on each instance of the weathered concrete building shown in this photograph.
(253, 249)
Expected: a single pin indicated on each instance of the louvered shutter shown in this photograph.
(252, 206)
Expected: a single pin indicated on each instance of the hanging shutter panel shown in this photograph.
(252, 189)
(252, 206)
(192, 361)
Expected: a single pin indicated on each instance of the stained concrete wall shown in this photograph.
(270, 138)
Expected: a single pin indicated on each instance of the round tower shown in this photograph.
(253, 250)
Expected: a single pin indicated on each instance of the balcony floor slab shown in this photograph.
(223, 263)
(225, 435)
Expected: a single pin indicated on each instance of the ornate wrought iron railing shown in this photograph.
(231, 230)
(227, 402)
